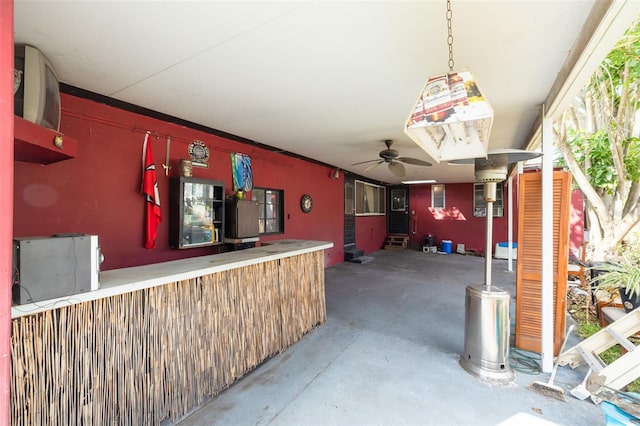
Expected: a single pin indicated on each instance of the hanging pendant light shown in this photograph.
(451, 118)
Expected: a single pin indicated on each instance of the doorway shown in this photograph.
(398, 212)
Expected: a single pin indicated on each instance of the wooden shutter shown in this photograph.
(529, 269)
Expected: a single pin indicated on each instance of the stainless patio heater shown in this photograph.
(487, 317)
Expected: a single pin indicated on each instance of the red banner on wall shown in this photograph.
(153, 214)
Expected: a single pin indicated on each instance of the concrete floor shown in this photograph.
(388, 355)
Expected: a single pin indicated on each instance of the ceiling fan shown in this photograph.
(390, 156)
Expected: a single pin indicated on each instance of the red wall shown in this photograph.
(576, 223)
(98, 192)
(456, 222)
(371, 232)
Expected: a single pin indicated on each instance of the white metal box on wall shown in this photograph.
(50, 267)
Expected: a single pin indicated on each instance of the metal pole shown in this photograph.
(489, 196)
(487, 250)
(510, 226)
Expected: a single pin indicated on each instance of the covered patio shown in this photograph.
(388, 354)
(390, 348)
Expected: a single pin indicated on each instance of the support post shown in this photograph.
(510, 224)
(547, 244)
(6, 201)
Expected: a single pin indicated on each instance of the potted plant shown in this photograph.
(624, 276)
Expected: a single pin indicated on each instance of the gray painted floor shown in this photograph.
(388, 355)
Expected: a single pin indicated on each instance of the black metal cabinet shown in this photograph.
(196, 212)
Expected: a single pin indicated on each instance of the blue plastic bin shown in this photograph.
(614, 416)
(446, 246)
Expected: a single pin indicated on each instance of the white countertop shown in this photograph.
(125, 280)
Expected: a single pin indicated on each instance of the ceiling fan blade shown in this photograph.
(414, 161)
(366, 169)
(363, 162)
(397, 169)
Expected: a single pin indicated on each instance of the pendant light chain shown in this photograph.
(450, 35)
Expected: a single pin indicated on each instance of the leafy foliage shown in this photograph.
(623, 273)
(600, 145)
(600, 167)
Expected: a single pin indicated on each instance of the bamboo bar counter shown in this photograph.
(156, 341)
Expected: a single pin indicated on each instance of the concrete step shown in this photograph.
(349, 255)
(362, 259)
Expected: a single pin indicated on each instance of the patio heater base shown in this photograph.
(486, 335)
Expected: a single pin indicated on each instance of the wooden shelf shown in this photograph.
(35, 144)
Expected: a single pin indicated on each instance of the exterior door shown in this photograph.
(398, 211)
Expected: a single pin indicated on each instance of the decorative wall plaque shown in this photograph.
(199, 153)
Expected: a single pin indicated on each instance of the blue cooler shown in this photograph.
(446, 246)
(614, 416)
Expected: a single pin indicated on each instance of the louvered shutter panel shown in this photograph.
(529, 268)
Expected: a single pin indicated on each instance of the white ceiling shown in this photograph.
(328, 80)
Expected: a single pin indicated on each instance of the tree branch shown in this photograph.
(619, 134)
(626, 225)
(633, 198)
(580, 177)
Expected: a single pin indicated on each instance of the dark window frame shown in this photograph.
(263, 215)
(441, 197)
(370, 199)
(480, 206)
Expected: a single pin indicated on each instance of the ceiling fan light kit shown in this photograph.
(391, 157)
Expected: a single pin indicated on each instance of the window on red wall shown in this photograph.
(437, 197)
(480, 205)
(349, 207)
(370, 199)
(271, 210)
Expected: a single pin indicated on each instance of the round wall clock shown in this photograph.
(306, 203)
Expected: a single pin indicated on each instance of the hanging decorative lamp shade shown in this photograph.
(451, 118)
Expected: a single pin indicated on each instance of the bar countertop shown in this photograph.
(119, 281)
